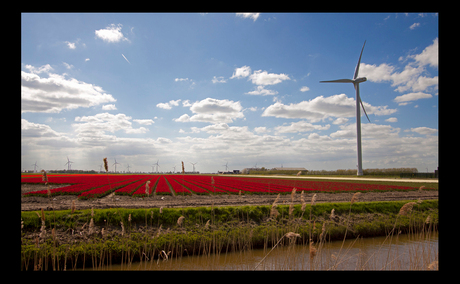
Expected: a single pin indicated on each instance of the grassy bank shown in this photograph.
(98, 238)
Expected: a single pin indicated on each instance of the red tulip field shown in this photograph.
(88, 186)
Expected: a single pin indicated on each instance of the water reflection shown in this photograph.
(403, 252)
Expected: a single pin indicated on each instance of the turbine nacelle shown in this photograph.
(360, 80)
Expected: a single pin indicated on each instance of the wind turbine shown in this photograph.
(226, 167)
(69, 162)
(115, 165)
(194, 166)
(355, 81)
(128, 168)
(157, 165)
(35, 166)
(174, 169)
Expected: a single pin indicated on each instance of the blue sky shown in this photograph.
(227, 87)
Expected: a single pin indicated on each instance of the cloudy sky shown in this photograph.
(225, 87)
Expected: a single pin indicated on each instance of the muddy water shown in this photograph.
(403, 252)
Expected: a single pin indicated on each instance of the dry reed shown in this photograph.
(313, 200)
(407, 208)
(147, 188)
(302, 200)
(355, 197)
(106, 165)
(332, 216)
(180, 220)
(72, 208)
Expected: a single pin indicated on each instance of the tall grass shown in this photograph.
(108, 236)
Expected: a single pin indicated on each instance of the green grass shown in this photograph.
(199, 215)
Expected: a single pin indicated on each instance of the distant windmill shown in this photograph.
(194, 166)
(35, 166)
(116, 165)
(355, 81)
(226, 166)
(69, 162)
(157, 165)
(100, 168)
(128, 168)
(174, 169)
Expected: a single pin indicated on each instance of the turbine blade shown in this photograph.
(338, 81)
(364, 109)
(358, 97)
(359, 61)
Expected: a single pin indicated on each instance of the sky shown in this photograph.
(236, 88)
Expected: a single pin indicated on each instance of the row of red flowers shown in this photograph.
(96, 186)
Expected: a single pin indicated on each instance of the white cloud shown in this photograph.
(392, 119)
(111, 33)
(424, 130)
(55, 93)
(169, 104)
(402, 100)
(71, 45)
(321, 108)
(429, 55)
(253, 16)
(186, 103)
(144, 121)
(42, 69)
(87, 59)
(241, 72)
(304, 89)
(219, 79)
(414, 25)
(368, 131)
(30, 129)
(164, 106)
(300, 126)
(376, 73)
(125, 58)
(264, 78)
(67, 65)
(261, 129)
(213, 111)
(183, 118)
(340, 120)
(109, 107)
(185, 80)
(97, 125)
(263, 92)
(411, 78)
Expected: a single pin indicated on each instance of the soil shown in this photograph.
(63, 202)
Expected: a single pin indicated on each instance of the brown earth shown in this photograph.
(63, 202)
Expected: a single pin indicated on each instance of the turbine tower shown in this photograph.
(35, 166)
(128, 168)
(194, 166)
(157, 165)
(355, 81)
(226, 167)
(69, 162)
(115, 165)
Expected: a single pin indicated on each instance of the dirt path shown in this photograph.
(111, 201)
